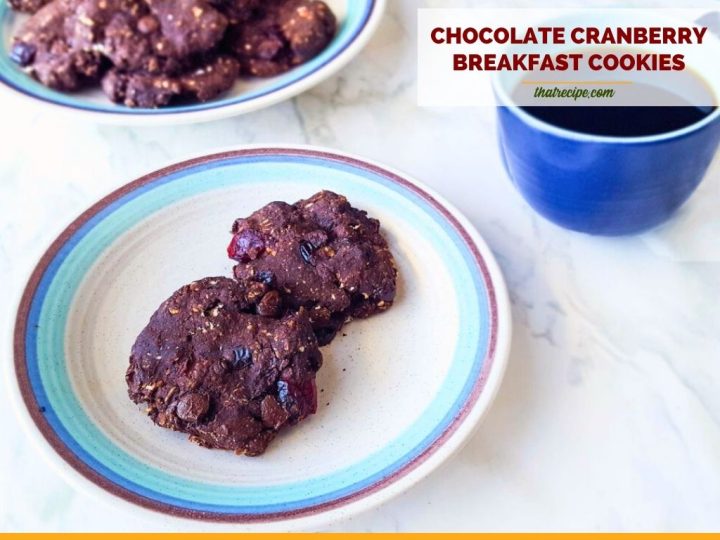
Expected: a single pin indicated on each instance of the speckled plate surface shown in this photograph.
(357, 21)
(398, 394)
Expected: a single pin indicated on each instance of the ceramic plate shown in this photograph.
(397, 395)
(357, 20)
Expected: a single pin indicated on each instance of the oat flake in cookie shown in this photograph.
(325, 256)
(208, 365)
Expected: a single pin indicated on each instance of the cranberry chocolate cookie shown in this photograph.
(149, 53)
(69, 44)
(324, 255)
(214, 363)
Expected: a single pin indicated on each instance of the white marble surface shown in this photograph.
(609, 417)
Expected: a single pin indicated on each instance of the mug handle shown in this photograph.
(712, 21)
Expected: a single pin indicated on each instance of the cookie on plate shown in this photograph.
(68, 44)
(214, 363)
(324, 255)
(286, 33)
(142, 89)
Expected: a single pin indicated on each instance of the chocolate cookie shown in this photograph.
(308, 26)
(142, 89)
(146, 53)
(210, 365)
(288, 33)
(68, 43)
(45, 47)
(189, 26)
(323, 254)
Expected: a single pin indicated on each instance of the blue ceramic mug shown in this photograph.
(606, 185)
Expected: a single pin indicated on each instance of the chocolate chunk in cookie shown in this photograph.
(208, 365)
(322, 254)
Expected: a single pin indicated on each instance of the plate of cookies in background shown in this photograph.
(166, 61)
(271, 337)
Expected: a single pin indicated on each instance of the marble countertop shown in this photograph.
(609, 416)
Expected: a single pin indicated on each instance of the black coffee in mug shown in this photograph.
(626, 121)
(626, 161)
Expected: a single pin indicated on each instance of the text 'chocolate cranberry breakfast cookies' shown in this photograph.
(152, 53)
(232, 362)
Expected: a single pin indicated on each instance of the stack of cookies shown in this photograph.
(232, 361)
(151, 53)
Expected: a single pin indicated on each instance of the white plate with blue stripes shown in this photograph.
(357, 21)
(397, 395)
